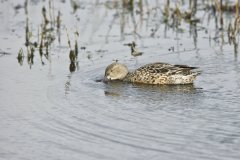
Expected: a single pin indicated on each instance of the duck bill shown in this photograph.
(106, 79)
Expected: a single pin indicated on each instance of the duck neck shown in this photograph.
(127, 78)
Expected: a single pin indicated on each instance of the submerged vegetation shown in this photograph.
(173, 16)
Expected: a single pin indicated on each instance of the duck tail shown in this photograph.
(196, 73)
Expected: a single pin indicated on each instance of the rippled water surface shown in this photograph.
(48, 112)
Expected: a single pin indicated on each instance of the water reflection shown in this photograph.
(75, 117)
(72, 67)
(188, 88)
(153, 94)
(137, 19)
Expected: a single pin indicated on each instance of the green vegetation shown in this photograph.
(172, 15)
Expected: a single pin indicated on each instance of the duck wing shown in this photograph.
(165, 69)
(185, 66)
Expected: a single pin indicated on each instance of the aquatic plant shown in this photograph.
(134, 13)
(20, 57)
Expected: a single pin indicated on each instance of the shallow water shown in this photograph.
(47, 112)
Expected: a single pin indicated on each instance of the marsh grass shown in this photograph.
(171, 15)
(46, 35)
(20, 57)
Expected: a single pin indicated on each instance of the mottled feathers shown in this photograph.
(159, 73)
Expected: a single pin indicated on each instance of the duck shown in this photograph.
(153, 73)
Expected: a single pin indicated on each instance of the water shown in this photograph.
(49, 113)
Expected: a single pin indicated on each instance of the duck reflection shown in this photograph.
(154, 95)
(121, 88)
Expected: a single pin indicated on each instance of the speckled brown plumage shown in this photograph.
(160, 73)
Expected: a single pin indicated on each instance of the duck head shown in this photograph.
(116, 71)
